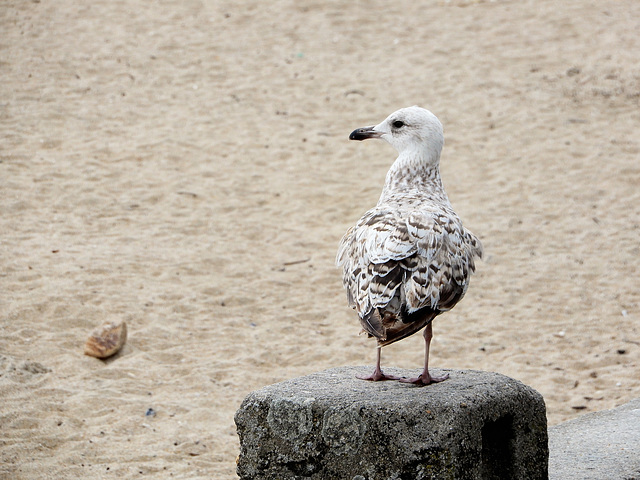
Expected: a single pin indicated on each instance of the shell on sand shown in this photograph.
(107, 339)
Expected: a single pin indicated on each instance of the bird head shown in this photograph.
(408, 130)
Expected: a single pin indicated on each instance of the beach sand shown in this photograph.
(185, 167)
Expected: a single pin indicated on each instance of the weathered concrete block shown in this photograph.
(598, 445)
(331, 425)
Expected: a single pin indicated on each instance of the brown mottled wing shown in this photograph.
(445, 261)
(397, 262)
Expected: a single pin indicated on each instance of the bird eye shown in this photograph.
(398, 124)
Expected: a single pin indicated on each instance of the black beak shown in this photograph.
(364, 133)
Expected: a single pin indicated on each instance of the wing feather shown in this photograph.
(397, 261)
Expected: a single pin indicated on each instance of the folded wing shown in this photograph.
(396, 263)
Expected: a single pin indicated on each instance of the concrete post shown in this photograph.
(331, 425)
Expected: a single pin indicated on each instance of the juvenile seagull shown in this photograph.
(409, 258)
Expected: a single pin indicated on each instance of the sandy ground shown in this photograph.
(185, 166)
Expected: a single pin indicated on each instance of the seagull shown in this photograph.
(409, 258)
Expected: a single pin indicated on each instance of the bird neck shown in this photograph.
(415, 171)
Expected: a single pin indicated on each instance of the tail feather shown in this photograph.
(372, 324)
(408, 324)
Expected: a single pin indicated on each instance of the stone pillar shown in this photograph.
(331, 425)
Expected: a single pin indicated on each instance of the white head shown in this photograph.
(412, 131)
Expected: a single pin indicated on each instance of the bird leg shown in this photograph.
(425, 377)
(378, 374)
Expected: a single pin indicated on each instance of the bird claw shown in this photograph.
(378, 376)
(423, 379)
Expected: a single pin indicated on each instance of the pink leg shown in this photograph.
(378, 374)
(425, 377)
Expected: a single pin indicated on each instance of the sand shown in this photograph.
(184, 166)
